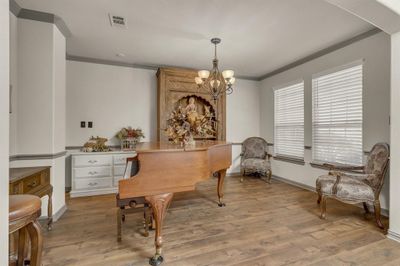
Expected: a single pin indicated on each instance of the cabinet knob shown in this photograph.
(92, 172)
(92, 184)
(92, 161)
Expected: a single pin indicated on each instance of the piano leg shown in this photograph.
(159, 205)
(220, 189)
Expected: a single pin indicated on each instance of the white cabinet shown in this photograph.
(97, 173)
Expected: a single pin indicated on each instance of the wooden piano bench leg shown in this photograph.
(119, 224)
(159, 205)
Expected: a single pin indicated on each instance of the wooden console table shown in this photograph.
(34, 181)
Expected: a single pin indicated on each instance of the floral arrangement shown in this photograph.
(97, 144)
(130, 133)
(129, 137)
(182, 125)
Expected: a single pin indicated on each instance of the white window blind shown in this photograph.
(289, 121)
(337, 116)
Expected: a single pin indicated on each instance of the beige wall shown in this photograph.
(394, 228)
(37, 124)
(114, 96)
(375, 51)
(4, 133)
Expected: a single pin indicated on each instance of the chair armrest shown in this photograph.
(268, 156)
(333, 167)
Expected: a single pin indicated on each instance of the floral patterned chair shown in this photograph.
(354, 188)
(255, 158)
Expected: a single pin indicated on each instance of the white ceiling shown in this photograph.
(258, 36)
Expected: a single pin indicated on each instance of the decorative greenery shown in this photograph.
(97, 144)
(130, 133)
(182, 125)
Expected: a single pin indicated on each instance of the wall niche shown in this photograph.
(175, 87)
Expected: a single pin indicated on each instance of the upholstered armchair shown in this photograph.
(255, 159)
(357, 184)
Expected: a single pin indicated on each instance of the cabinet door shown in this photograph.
(120, 159)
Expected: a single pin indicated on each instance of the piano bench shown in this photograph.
(129, 205)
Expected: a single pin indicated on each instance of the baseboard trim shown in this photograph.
(393, 235)
(57, 215)
(233, 174)
(294, 183)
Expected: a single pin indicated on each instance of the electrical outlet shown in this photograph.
(90, 124)
(83, 124)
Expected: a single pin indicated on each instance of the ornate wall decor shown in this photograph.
(175, 88)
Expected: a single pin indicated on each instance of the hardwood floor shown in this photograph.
(262, 224)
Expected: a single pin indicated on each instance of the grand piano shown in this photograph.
(168, 168)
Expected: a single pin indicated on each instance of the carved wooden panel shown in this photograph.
(175, 84)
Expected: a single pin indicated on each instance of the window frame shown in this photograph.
(286, 157)
(359, 62)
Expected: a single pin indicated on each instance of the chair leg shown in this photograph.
(319, 197)
(377, 207)
(242, 173)
(21, 246)
(323, 207)
(35, 235)
(269, 176)
(119, 224)
(365, 207)
(123, 215)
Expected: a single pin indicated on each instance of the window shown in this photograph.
(337, 116)
(289, 121)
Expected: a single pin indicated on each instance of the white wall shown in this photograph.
(13, 82)
(4, 132)
(35, 84)
(113, 97)
(395, 139)
(242, 117)
(375, 50)
(38, 119)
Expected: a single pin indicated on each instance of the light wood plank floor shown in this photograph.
(262, 224)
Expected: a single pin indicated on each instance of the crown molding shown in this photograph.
(322, 52)
(35, 15)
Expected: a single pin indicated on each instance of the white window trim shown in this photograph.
(282, 86)
(327, 72)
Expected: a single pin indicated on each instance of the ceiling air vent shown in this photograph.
(117, 21)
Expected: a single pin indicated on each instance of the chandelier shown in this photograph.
(214, 82)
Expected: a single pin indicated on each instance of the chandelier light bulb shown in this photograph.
(212, 82)
(232, 80)
(203, 74)
(227, 74)
(198, 80)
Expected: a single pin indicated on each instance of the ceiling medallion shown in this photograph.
(214, 82)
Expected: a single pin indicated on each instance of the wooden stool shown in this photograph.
(24, 210)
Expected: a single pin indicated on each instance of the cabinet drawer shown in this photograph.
(116, 179)
(92, 160)
(92, 171)
(121, 158)
(119, 170)
(92, 183)
(31, 183)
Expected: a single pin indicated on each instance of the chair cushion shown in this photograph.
(348, 188)
(255, 165)
(21, 206)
